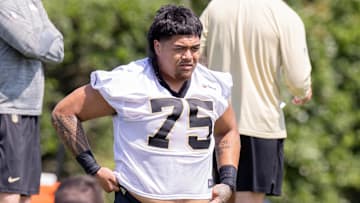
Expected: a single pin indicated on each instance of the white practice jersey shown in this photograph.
(164, 144)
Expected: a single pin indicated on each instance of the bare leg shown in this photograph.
(232, 198)
(9, 198)
(248, 197)
(25, 199)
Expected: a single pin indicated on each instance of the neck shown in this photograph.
(171, 83)
(174, 85)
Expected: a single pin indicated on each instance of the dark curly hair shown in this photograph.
(172, 20)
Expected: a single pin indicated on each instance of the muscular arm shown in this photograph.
(71, 132)
(227, 149)
(83, 104)
(227, 140)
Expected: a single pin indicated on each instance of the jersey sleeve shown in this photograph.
(122, 85)
(294, 54)
(116, 86)
(226, 83)
(222, 82)
(104, 81)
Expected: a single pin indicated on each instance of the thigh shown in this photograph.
(9, 198)
(261, 165)
(20, 156)
(246, 197)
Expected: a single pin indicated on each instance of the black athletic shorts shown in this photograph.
(123, 196)
(20, 156)
(261, 165)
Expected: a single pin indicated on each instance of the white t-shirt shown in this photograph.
(163, 144)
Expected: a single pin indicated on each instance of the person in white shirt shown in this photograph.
(169, 113)
(258, 42)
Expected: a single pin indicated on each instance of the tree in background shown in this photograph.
(323, 144)
(322, 151)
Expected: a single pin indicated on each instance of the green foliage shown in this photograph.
(323, 146)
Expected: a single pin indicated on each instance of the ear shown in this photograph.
(157, 47)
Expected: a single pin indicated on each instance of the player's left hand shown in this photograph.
(107, 180)
(221, 193)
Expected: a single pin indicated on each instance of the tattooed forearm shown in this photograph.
(71, 132)
(222, 146)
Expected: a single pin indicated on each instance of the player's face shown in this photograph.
(177, 57)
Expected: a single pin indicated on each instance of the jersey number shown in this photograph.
(160, 138)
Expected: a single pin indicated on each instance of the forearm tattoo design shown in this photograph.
(71, 133)
(222, 146)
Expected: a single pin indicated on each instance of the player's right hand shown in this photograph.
(107, 180)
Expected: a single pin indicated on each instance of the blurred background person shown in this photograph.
(79, 189)
(258, 41)
(27, 39)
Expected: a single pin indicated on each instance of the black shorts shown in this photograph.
(261, 165)
(20, 156)
(123, 196)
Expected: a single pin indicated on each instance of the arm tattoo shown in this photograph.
(222, 146)
(71, 132)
